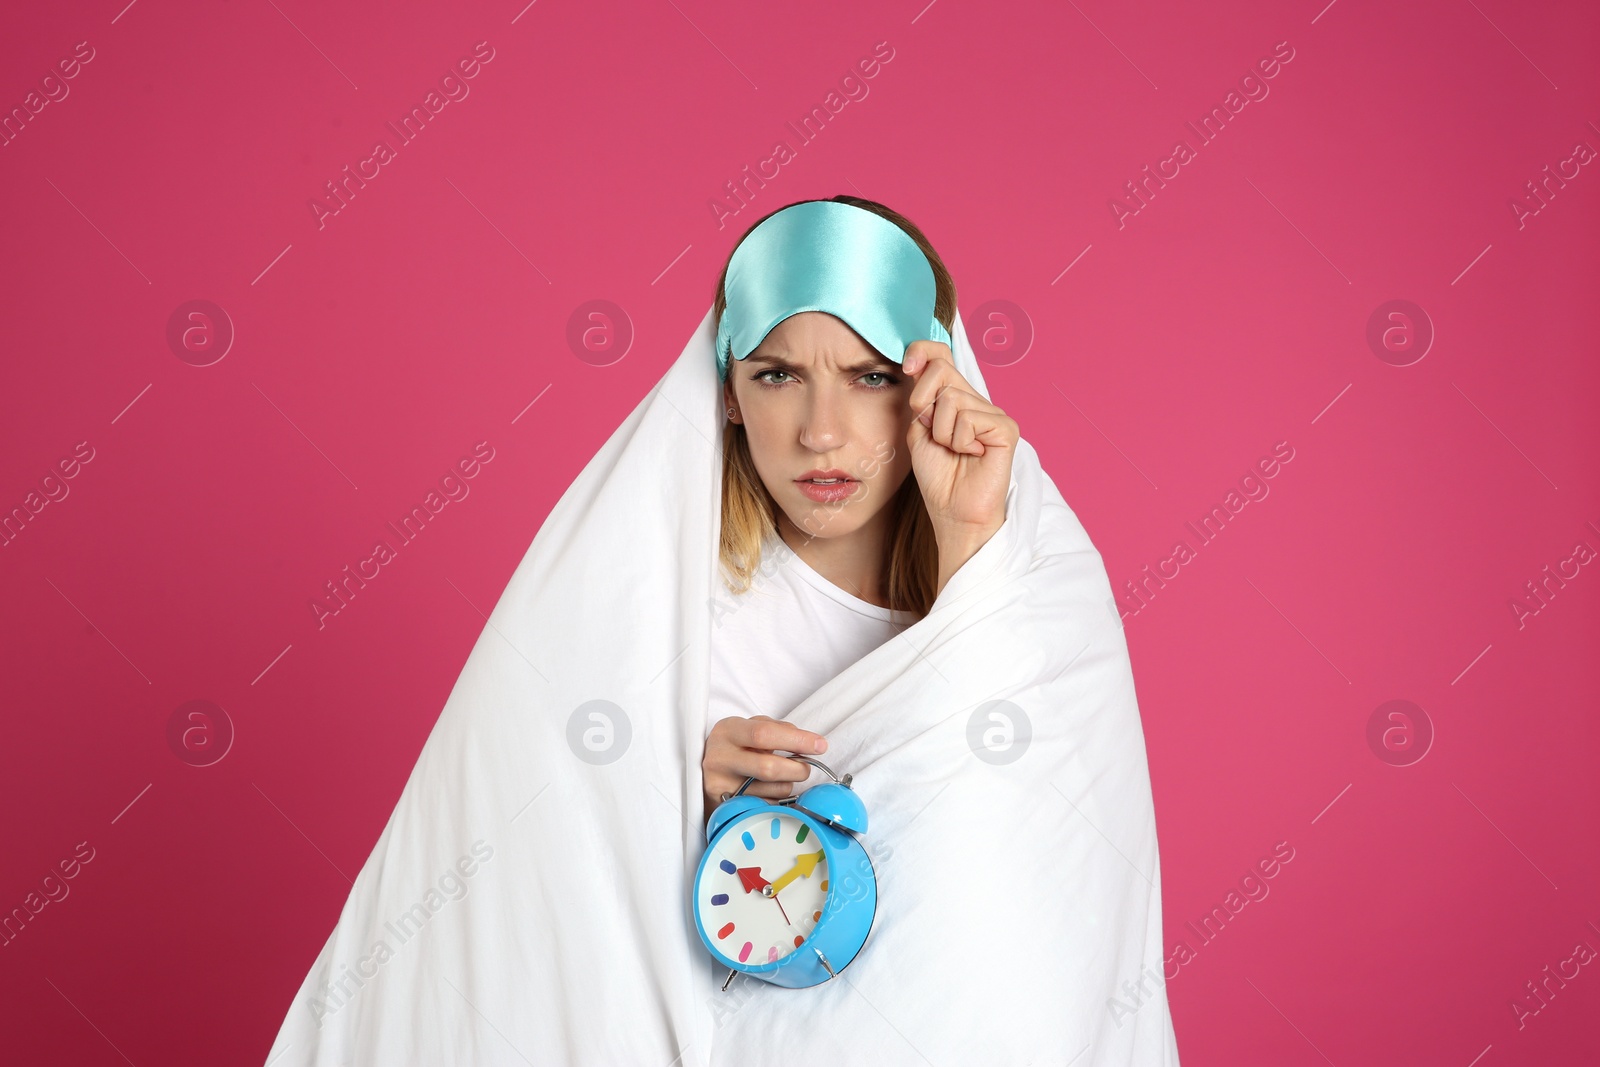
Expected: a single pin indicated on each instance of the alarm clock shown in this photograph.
(785, 892)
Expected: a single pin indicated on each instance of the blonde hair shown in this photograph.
(749, 513)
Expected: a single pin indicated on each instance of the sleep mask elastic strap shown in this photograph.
(824, 255)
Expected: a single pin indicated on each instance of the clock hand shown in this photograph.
(750, 878)
(803, 866)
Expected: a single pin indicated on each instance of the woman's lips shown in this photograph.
(827, 493)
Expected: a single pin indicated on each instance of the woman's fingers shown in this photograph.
(717, 784)
(945, 403)
(741, 748)
(728, 770)
(766, 766)
(765, 732)
(934, 371)
(964, 423)
(728, 757)
(958, 417)
(919, 354)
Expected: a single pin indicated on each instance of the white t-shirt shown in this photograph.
(792, 631)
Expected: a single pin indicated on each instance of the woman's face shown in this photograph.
(814, 397)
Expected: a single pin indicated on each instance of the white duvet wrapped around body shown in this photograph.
(528, 901)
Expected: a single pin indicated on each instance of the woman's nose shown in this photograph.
(823, 429)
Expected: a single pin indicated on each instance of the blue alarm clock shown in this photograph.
(785, 892)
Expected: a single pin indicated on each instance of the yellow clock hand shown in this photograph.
(803, 866)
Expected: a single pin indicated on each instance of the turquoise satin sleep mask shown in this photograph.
(824, 255)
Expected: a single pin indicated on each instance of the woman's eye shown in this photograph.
(885, 378)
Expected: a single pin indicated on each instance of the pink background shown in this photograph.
(1228, 314)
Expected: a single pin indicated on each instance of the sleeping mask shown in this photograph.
(824, 255)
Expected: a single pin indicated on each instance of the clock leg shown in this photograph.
(728, 979)
(825, 964)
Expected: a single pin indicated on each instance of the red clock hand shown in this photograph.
(751, 878)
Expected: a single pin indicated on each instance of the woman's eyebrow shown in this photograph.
(871, 366)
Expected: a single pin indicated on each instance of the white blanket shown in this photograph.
(528, 900)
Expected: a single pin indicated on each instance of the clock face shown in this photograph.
(763, 888)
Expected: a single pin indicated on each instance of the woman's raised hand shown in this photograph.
(961, 451)
(740, 747)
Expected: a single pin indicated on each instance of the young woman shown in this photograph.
(855, 483)
(533, 896)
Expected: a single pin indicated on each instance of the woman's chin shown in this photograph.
(827, 521)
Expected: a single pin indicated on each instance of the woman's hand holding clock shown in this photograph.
(738, 748)
(961, 451)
